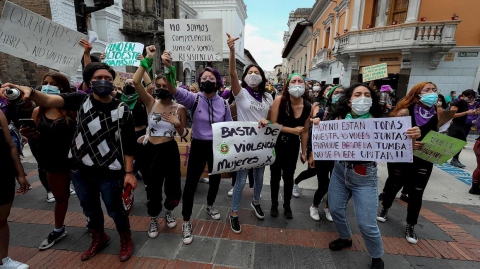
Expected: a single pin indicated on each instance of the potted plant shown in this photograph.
(454, 17)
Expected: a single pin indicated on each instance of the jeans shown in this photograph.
(240, 184)
(250, 178)
(414, 176)
(344, 184)
(89, 185)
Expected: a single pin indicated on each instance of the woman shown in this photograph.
(194, 88)
(207, 108)
(53, 138)
(472, 118)
(253, 105)
(322, 95)
(292, 110)
(162, 157)
(475, 188)
(12, 168)
(420, 105)
(102, 151)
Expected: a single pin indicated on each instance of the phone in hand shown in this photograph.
(28, 123)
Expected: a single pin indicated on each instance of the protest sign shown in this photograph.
(123, 53)
(241, 145)
(194, 40)
(447, 115)
(439, 148)
(382, 140)
(120, 78)
(374, 72)
(27, 35)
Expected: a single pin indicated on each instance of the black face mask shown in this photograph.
(128, 89)
(161, 93)
(102, 88)
(207, 86)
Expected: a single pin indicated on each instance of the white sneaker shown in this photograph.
(153, 230)
(170, 218)
(72, 192)
(204, 180)
(314, 213)
(213, 212)
(295, 192)
(187, 236)
(230, 193)
(50, 197)
(327, 214)
(9, 263)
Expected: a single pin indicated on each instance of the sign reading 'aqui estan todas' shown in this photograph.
(123, 53)
(194, 40)
(382, 140)
(439, 148)
(27, 35)
(374, 72)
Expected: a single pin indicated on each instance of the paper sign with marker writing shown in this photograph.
(374, 72)
(381, 140)
(27, 35)
(194, 40)
(120, 78)
(123, 54)
(439, 148)
(241, 145)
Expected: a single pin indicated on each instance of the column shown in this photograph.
(381, 21)
(332, 35)
(323, 40)
(347, 14)
(358, 6)
(413, 9)
(337, 20)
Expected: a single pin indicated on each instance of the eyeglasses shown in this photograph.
(430, 90)
(205, 78)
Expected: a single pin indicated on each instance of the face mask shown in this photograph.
(128, 89)
(429, 99)
(361, 105)
(439, 104)
(253, 80)
(316, 88)
(50, 90)
(207, 86)
(467, 100)
(335, 99)
(102, 88)
(161, 93)
(296, 90)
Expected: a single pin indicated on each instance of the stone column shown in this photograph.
(347, 13)
(323, 40)
(381, 21)
(332, 35)
(413, 9)
(337, 20)
(358, 6)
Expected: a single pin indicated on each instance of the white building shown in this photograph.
(189, 74)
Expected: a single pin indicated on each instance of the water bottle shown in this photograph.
(15, 96)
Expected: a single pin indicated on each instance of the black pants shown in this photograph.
(286, 151)
(415, 177)
(37, 154)
(163, 167)
(459, 133)
(201, 152)
(250, 178)
(140, 155)
(324, 171)
(310, 172)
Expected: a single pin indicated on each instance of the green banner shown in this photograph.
(439, 148)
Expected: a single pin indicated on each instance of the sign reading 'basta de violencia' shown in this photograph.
(27, 35)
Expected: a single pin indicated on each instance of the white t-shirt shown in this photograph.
(249, 109)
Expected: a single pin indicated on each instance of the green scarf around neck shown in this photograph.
(130, 100)
(351, 117)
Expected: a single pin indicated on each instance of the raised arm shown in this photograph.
(167, 62)
(38, 97)
(87, 49)
(146, 78)
(233, 66)
(147, 99)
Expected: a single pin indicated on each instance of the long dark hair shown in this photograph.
(441, 98)
(218, 77)
(343, 108)
(285, 101)
(322, 91)
(261, 86)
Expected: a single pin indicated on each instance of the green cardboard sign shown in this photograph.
(439, 148)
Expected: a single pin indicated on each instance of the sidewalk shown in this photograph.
(449, 236)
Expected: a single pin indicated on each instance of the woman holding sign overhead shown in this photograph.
(253, 105)
(207, 108)
(419, 104)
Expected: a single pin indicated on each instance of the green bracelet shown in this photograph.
(269, 122)
(147, 63)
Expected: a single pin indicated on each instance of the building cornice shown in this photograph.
(219, 5)
(189, 10)
(341, 6)
(328, 20)
(318, 9)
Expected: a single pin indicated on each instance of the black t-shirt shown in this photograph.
(462, 107)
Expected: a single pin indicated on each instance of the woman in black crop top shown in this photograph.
(419, 104)
(292, 110)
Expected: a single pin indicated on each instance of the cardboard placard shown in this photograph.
(241, 145)
(27, 35)
(374, 72)
(439, 148)
(447, 115)
(194, 40)
(120, 78)
(123, 54)
(381, 140)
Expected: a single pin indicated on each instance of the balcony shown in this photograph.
(322, 58)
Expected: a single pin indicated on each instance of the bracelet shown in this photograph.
(129, 172)
(148, 84)
(33, 92)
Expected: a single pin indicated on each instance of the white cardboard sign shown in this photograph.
(194, 40)
(123, 54)
(381, 140)
(27, 35)
(241, 145)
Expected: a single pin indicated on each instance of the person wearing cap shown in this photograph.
(385, 101)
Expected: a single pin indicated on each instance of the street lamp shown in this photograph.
(81, 12)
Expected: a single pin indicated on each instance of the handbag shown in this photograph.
(127, 195)
(144, 138)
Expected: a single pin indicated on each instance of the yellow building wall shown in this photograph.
(367, 16)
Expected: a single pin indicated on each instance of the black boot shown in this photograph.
(475, 189)
(377, 263)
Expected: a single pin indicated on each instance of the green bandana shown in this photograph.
(332, 90)
(130, 100)
(294, 74)
(148, 64)
(350, 117)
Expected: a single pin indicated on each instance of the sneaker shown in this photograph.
(258, 210)
(410, 234)
(9, 263)
(457, 163)
(153, 230)
(274, 211)
(52, 238)
(50, 197)
(187, 235)
(288, 212)
(295, 192)
(204, 180)
(382, 216)
(230, 193)
(377, 264)
(170, 218)
(314, 213)
(213, 212)
(72, 192)
(339, 244)
(235, 225)
(380, 196)
(404, 198)
(328, 216)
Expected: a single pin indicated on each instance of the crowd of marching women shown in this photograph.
(101, 139)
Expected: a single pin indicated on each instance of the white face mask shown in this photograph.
(316, 88)
(296, 90)
(361, 105)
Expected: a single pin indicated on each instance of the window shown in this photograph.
(158, 8)
(315, 44)
(397, 11)
(305, 67)
(327, 39)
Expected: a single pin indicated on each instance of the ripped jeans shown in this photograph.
(414, 176)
